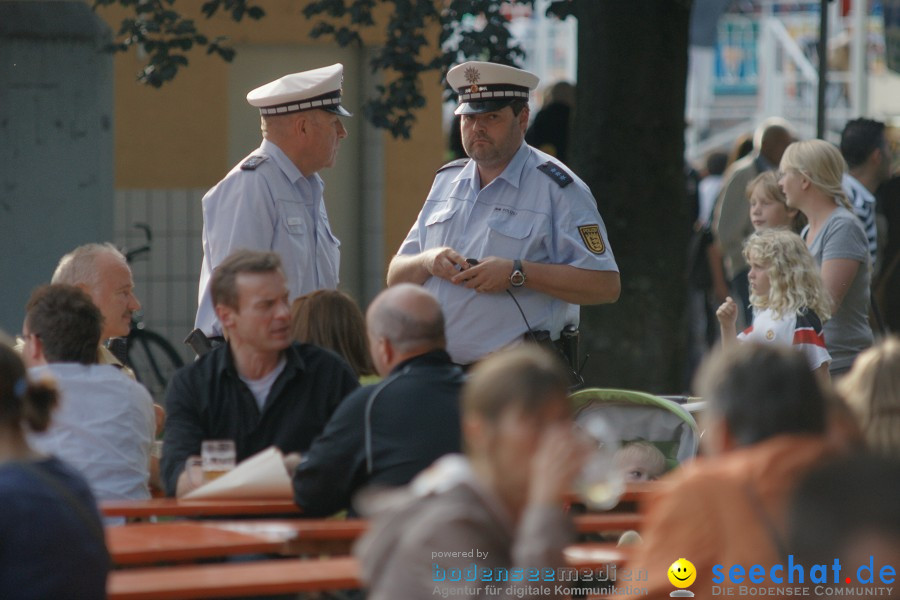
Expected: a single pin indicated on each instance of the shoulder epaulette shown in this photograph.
(459, 162)
(254, 161)
(556, 173)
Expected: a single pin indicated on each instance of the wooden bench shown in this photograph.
(234, 579)
(284, 576)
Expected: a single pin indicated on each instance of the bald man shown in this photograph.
(385, 434)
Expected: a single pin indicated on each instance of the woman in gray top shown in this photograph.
(811, 174)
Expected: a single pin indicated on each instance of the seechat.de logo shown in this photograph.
(682, 574)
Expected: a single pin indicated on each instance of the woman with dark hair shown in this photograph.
(331, 319)
(51, 539)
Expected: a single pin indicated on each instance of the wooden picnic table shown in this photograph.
(615, 521)
(174, 507)
(146, 543)
(635, 493)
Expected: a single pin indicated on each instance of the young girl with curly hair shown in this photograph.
(789, 299)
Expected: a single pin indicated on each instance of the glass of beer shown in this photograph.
(218, 458)
(600, 484)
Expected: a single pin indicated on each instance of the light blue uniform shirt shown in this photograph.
(524, 213)
(271, 207)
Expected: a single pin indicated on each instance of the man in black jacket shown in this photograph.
(385, 434)
(259, 389)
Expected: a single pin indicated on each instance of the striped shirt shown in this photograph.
(802, 330)
(863, 203)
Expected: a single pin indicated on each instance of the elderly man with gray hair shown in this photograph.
(102, 272)
(385, 434)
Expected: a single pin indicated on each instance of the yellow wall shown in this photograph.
(177, 136)
(174, 136)
(410, 168)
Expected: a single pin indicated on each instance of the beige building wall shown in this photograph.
(174, 142)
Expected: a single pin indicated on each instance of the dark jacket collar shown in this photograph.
(432, 358)
(224, 360)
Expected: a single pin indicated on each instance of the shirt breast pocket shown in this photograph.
(294, 216)
(508, 237)
(439, 227)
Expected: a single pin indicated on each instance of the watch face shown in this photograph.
(517, 279)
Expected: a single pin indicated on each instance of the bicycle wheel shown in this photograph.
(153, 360)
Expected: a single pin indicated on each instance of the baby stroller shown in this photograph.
(635, 416)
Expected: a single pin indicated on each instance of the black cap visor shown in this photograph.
(477, 107)
(338, 110)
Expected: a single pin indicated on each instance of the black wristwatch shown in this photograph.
(517, 277)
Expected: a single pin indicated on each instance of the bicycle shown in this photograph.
(152, 358)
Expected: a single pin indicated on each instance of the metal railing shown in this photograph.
(766, 65)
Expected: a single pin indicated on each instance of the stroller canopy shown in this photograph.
(640, 416)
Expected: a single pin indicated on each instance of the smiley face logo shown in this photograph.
(682, 573)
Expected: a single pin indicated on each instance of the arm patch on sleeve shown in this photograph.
(556, 173)
(592, 238)
(254, 161)
(459, 162)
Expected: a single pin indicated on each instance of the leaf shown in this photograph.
(210, 8)
(345, 36)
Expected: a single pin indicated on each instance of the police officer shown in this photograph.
(272, 200)
(530, 226)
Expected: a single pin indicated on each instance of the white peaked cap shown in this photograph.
(319, 88)
(485, 87)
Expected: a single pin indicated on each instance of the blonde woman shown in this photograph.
(811, 173)
(872, 391)
(787, 294)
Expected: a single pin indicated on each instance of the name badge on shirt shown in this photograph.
(294, 221)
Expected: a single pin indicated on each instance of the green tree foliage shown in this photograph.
(167, 37)
(469, 29)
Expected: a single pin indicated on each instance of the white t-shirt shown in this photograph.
(802, 330)
(262, 386)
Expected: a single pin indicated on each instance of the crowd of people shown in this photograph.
(826, 195)
(464, 412)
